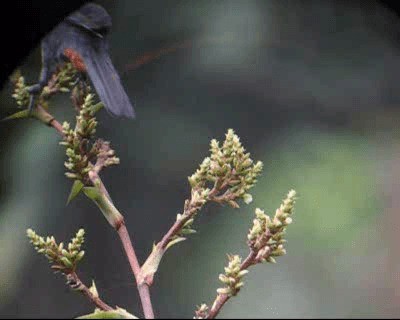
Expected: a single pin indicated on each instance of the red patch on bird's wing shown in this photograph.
(76, 59)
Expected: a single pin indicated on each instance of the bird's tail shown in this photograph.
(107, 83)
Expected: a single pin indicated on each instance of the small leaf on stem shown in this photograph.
(75, 190)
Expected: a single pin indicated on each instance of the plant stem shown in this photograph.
(143, 288)
(187, 215)
(144, 292)
(173, 231)
(122, 231)
(249, 261)
(217, 306)
(56, 125)
(150, 267)
(221, 299)
(53, 122)
(73, 278)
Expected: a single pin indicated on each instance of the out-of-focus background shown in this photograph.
(312, 90)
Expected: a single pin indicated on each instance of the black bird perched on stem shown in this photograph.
(81, 39)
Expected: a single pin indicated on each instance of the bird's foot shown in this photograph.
(76, 81)
(80, 78)
(33, 91)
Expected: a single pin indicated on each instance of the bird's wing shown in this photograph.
(107, 82)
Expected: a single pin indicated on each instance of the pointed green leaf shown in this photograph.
(187, 231)
(113, 314)
(93, 290)
(175, 241)
(97, 107)
(75, 190)
(92, 193)
(188, 223)
(18, 115)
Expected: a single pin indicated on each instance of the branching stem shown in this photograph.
(122, 231)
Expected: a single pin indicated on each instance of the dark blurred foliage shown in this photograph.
(310, 87)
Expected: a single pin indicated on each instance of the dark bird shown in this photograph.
(82, 39)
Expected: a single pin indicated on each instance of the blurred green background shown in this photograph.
(312, 90)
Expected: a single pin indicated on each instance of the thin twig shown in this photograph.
(188, 213)
(173, 231)
(191, 207)
(250, 260)
(217, 306)
(56, 125)
(221, 299)
(75, 283)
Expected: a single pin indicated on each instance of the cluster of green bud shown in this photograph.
(266, 237)
(63, 259)
(62, 81)
(266, 241)
(79, 148)
(104, 154)
(201, 312)
(230, 167)
(77, 163)
(201, 175)
(21, 94)
(86, 122)
(283, 213)
(199, 198)
(229, 170)
(232, 278)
